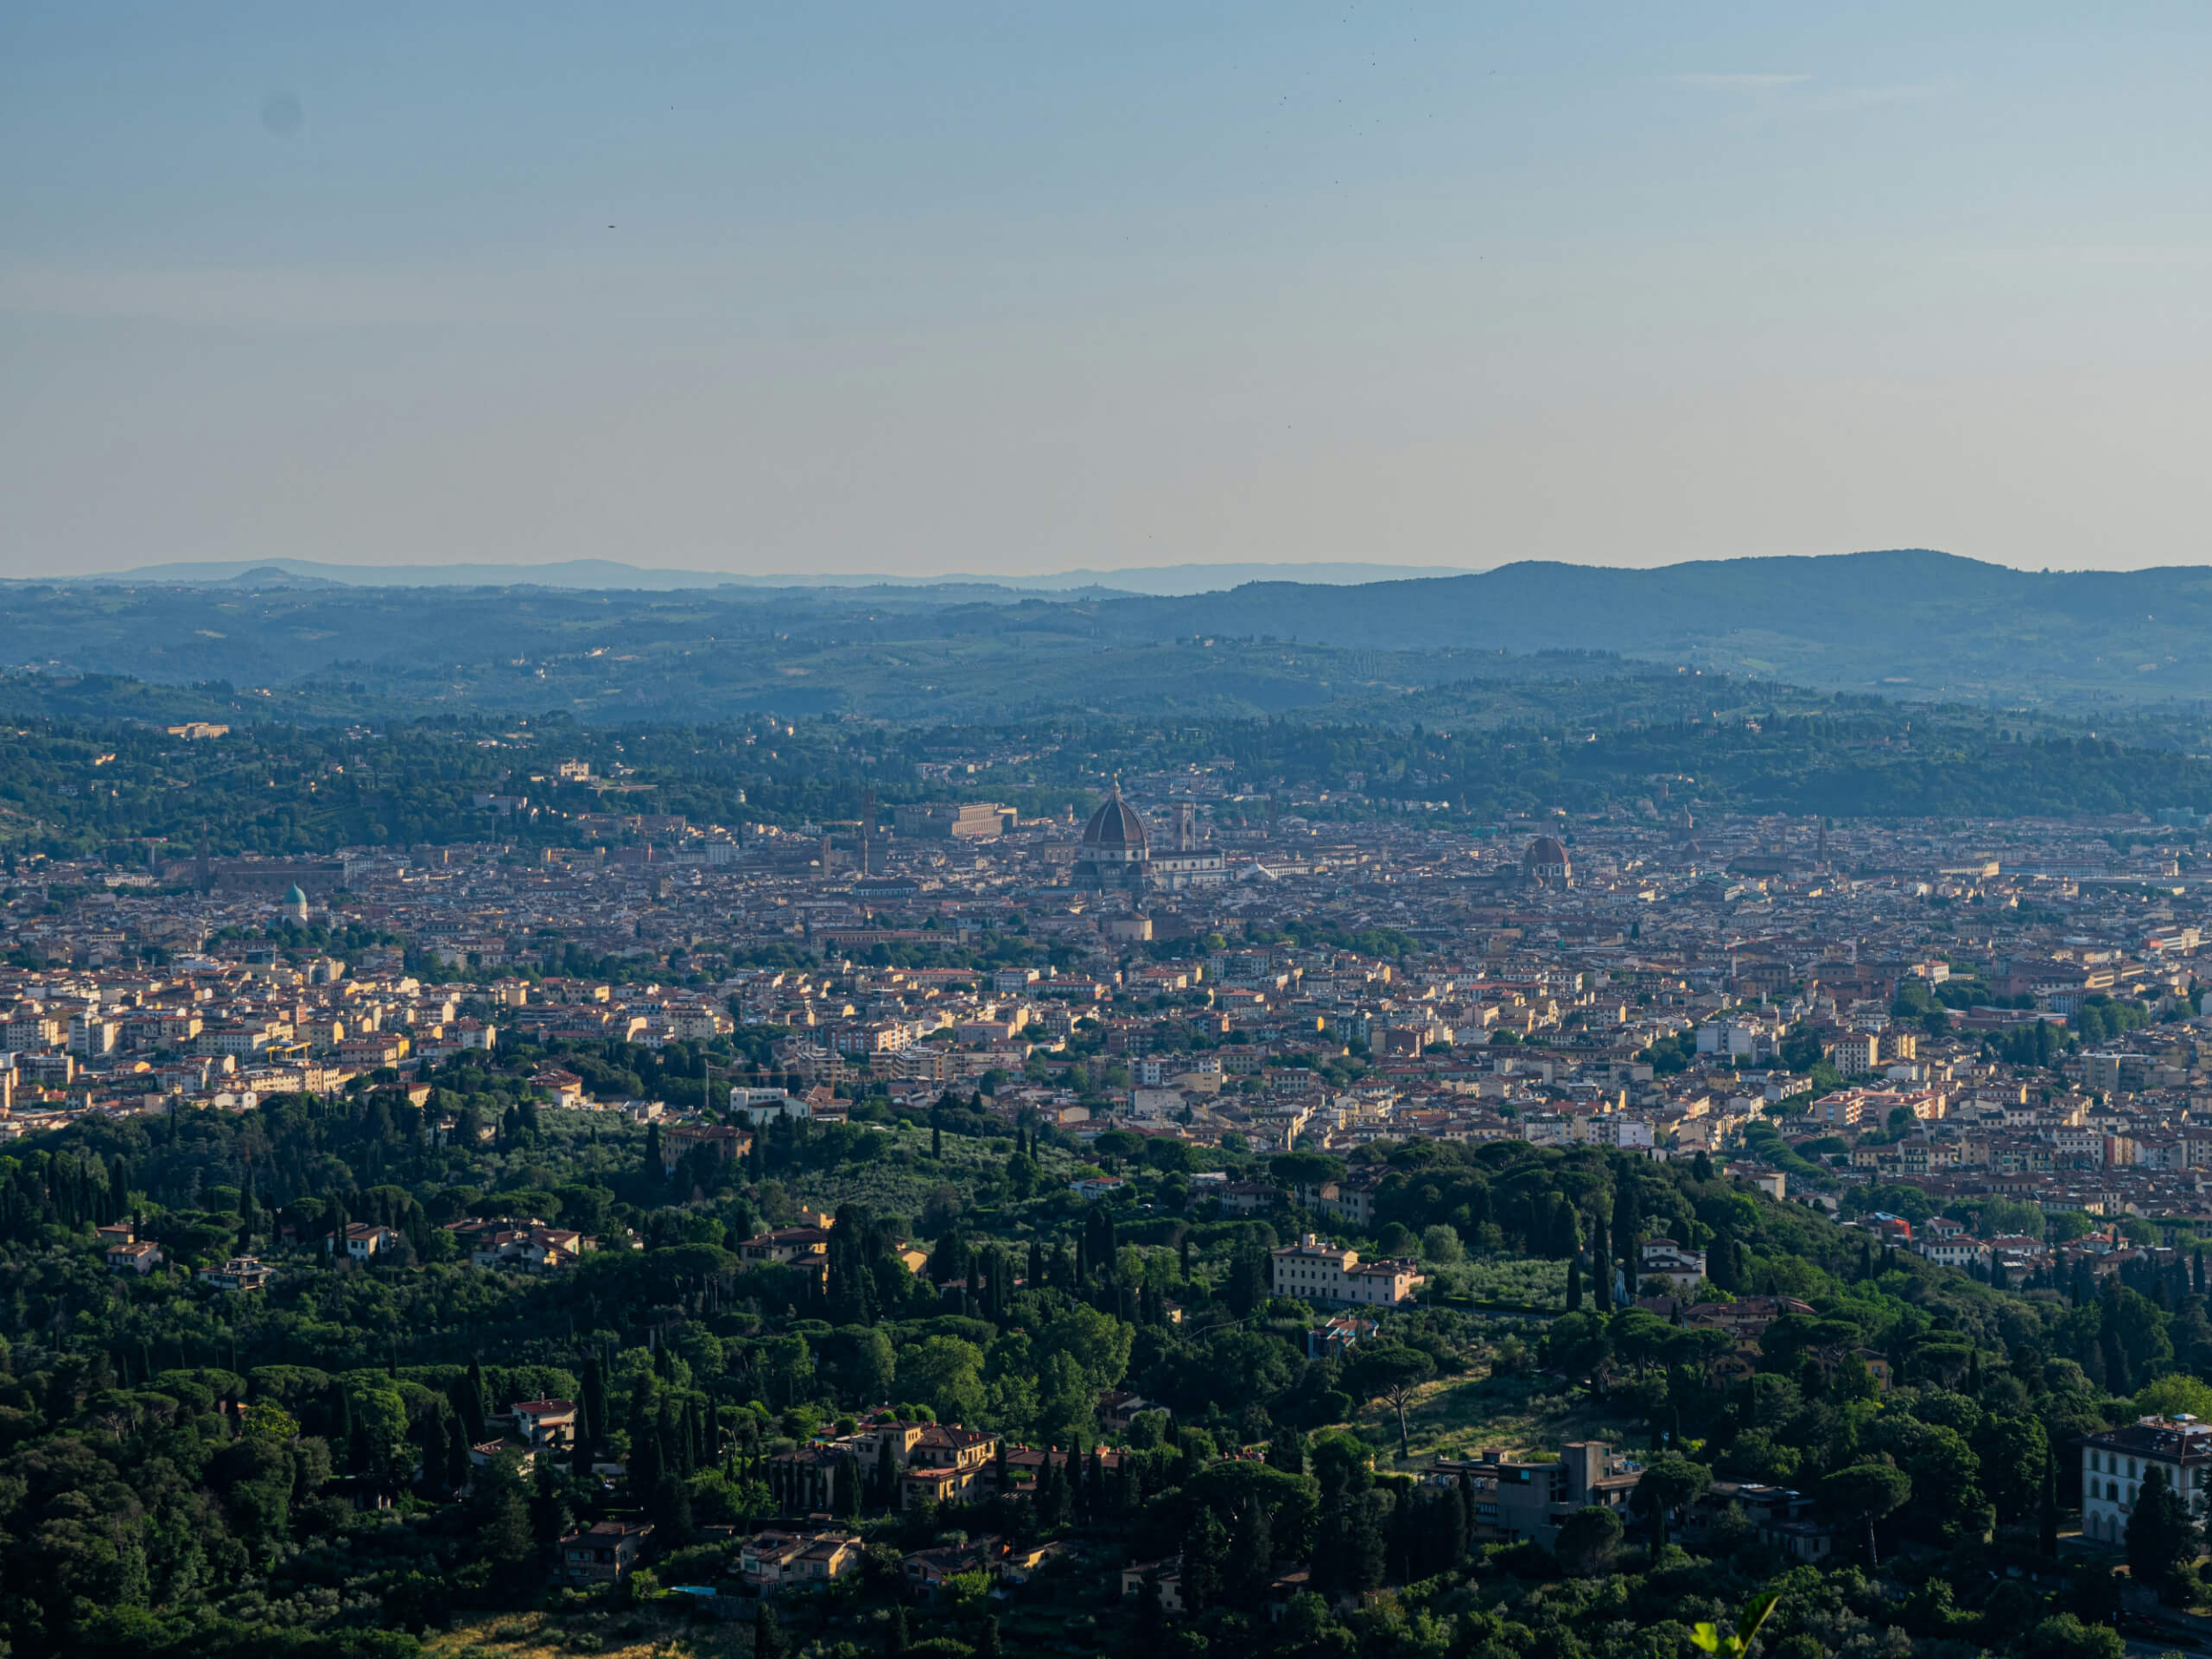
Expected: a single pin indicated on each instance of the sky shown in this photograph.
(1015, 289)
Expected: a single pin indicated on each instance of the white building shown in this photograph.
(759, 1106)
(2115, 1462)
(365, 1239)
(1681, 1267)
(1614, 1129)
(1960, 1252)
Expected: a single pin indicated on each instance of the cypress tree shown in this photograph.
(2047, 1514)
(1573, 1285)
(595, 1426)
(1566, 1240)
(341, 1427)
(2116, 1378)
(1250, 1568)
(456, 1451)
(646, 1455)
(1628, 1226)
(1152, 1617)
(468, 1407)
(1205, 1551)
(362, 1462)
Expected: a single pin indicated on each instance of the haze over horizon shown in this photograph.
(1186, 578)
(1006, 293)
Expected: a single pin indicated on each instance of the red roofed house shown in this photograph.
(545, 1422)
(945, 1464)
(603, 1553)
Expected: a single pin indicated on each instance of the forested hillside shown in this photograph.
(188, 1470)
(1466, 754)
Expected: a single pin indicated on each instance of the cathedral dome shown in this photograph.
(1115, 824)
(1546, 862)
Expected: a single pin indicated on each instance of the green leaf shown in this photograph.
(1755, 1614)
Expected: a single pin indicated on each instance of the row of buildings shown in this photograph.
(1641, 980)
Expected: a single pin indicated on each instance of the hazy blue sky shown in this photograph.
(1015, 288)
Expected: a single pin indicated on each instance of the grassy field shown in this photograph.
(1459, 1417)
(638, 1633)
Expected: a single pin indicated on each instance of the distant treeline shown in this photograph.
(78, 785)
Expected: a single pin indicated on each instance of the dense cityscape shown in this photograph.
(1196, 1214)
(1657, 985)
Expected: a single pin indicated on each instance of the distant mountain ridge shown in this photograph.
(1900, 617)
(1165, 579)
(1902, 622)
